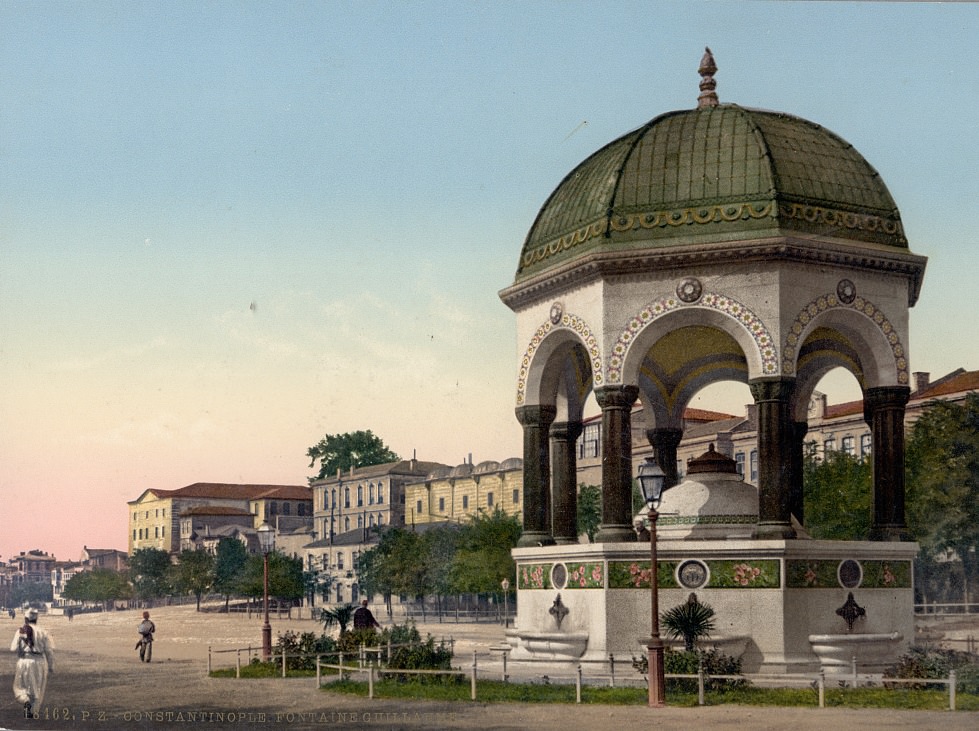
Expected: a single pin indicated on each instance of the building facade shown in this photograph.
(457, 494)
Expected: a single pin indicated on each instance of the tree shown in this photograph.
(97, 585)
(589, 510)
(943, 487)
(482, 558)
(341, 615)
(31, 592)
(837, 490)
(353, 449)
(285, 577)
(149, 571)
(195, 573)
(229, 566)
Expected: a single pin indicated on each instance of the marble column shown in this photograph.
(796, 496)
(883, 410)
(773, 398)
(616, 403)
(536, 421)
(564, 481)
(664, 443)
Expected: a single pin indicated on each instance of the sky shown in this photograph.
(229, 228)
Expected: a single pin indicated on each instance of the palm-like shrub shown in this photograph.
(691, 620)
(341, 615)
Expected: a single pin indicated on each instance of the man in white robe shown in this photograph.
(35, 659)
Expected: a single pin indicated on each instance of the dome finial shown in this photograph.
(708, 97)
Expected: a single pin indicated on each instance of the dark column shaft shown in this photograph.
(536, 421)
(773, 399)
(616, 403)
(796, 498)
(884, 411)
(564, 481)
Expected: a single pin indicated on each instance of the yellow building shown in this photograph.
(456, 494)
(154, 517)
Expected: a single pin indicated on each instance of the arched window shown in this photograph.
(370, 494)
(346, 524)
(346, 497)
(360, 495)
(380, 493)
(285, 508)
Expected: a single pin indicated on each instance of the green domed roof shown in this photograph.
(718, 173)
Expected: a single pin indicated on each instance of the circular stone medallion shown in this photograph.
(849, 573)
(557, 312)
(689, 290)
(559, 575)
(692, 574)
(846, 291)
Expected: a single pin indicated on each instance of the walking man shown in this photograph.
(146, 628)
(35, 659)
(364, 618)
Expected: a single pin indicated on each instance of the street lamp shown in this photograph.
(506, 614)
(651, 479)
(266, 541)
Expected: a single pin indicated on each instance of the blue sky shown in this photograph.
(231, 227)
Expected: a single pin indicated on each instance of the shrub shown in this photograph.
(409, 652)
(301, 648)
(687, 662)
(691, 620)
(925, 662)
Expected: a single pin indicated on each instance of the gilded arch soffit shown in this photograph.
(560, 321)
(751, 323)
(805, 322)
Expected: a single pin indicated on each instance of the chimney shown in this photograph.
(921, 381)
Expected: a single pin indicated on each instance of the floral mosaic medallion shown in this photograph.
(534, 576)
(763, 574)
(586, 575)
(832, 574)
(635, 575)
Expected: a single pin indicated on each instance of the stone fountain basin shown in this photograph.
(873, 652)
(547, 645)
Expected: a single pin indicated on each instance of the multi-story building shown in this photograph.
(104, 558)
(154, 517)
(31, 566)
(365, 497)
(458, 493)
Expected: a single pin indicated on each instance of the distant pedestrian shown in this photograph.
(363, 618)
(35, 659)
(70, 612)
(146, 628)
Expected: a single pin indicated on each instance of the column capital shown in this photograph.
(536, 415)
(774, 388)
(616, 396)
(884, 397)
(567, 430)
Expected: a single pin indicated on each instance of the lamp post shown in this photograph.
(651, 479)
(506, 590)
(266, 541)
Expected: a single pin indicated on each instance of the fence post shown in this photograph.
(283, 662)
(341, 667)
(362, 654)
(208, 659)
(238, 664)
(318, 673)
(473, 682)
(577, 685)
(611, 665)
(853, 663)
(389, 650)
(370, 681)
(822, 688)
(505, 676)
(700, 681)
(951, 690)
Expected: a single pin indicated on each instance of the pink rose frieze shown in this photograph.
(532, 577)
(586, 576)
(745, 574)
(888, 577)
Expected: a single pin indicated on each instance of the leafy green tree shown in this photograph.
(229, 566)
(482, 557)
(837, 490)
(97, 585)
(943, 487)
(149, 572)
(343, 451)
(31, 592)
(195, 573)
(285, 577)
(438, 549)
(589, 510)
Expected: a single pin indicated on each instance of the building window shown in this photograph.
(333, 498)
(346, 497)
(754, 465)
(441, 504)
(163, 531)
(849, 446)
(866, 445)
(590, 441)
(489, 500)
(371, 521)
(370, 494)
(285, 508)
(360, 496)
(380, 518)
(346, 524)
(339, 559)
(829, 445)
(739, 461)
(465, 502)
(380, 493)
(134, 535)
(418, 507)
(360, 521)
(679, 469)
(156, 532)
(516, 497)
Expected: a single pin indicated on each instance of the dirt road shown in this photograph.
(100, 684)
